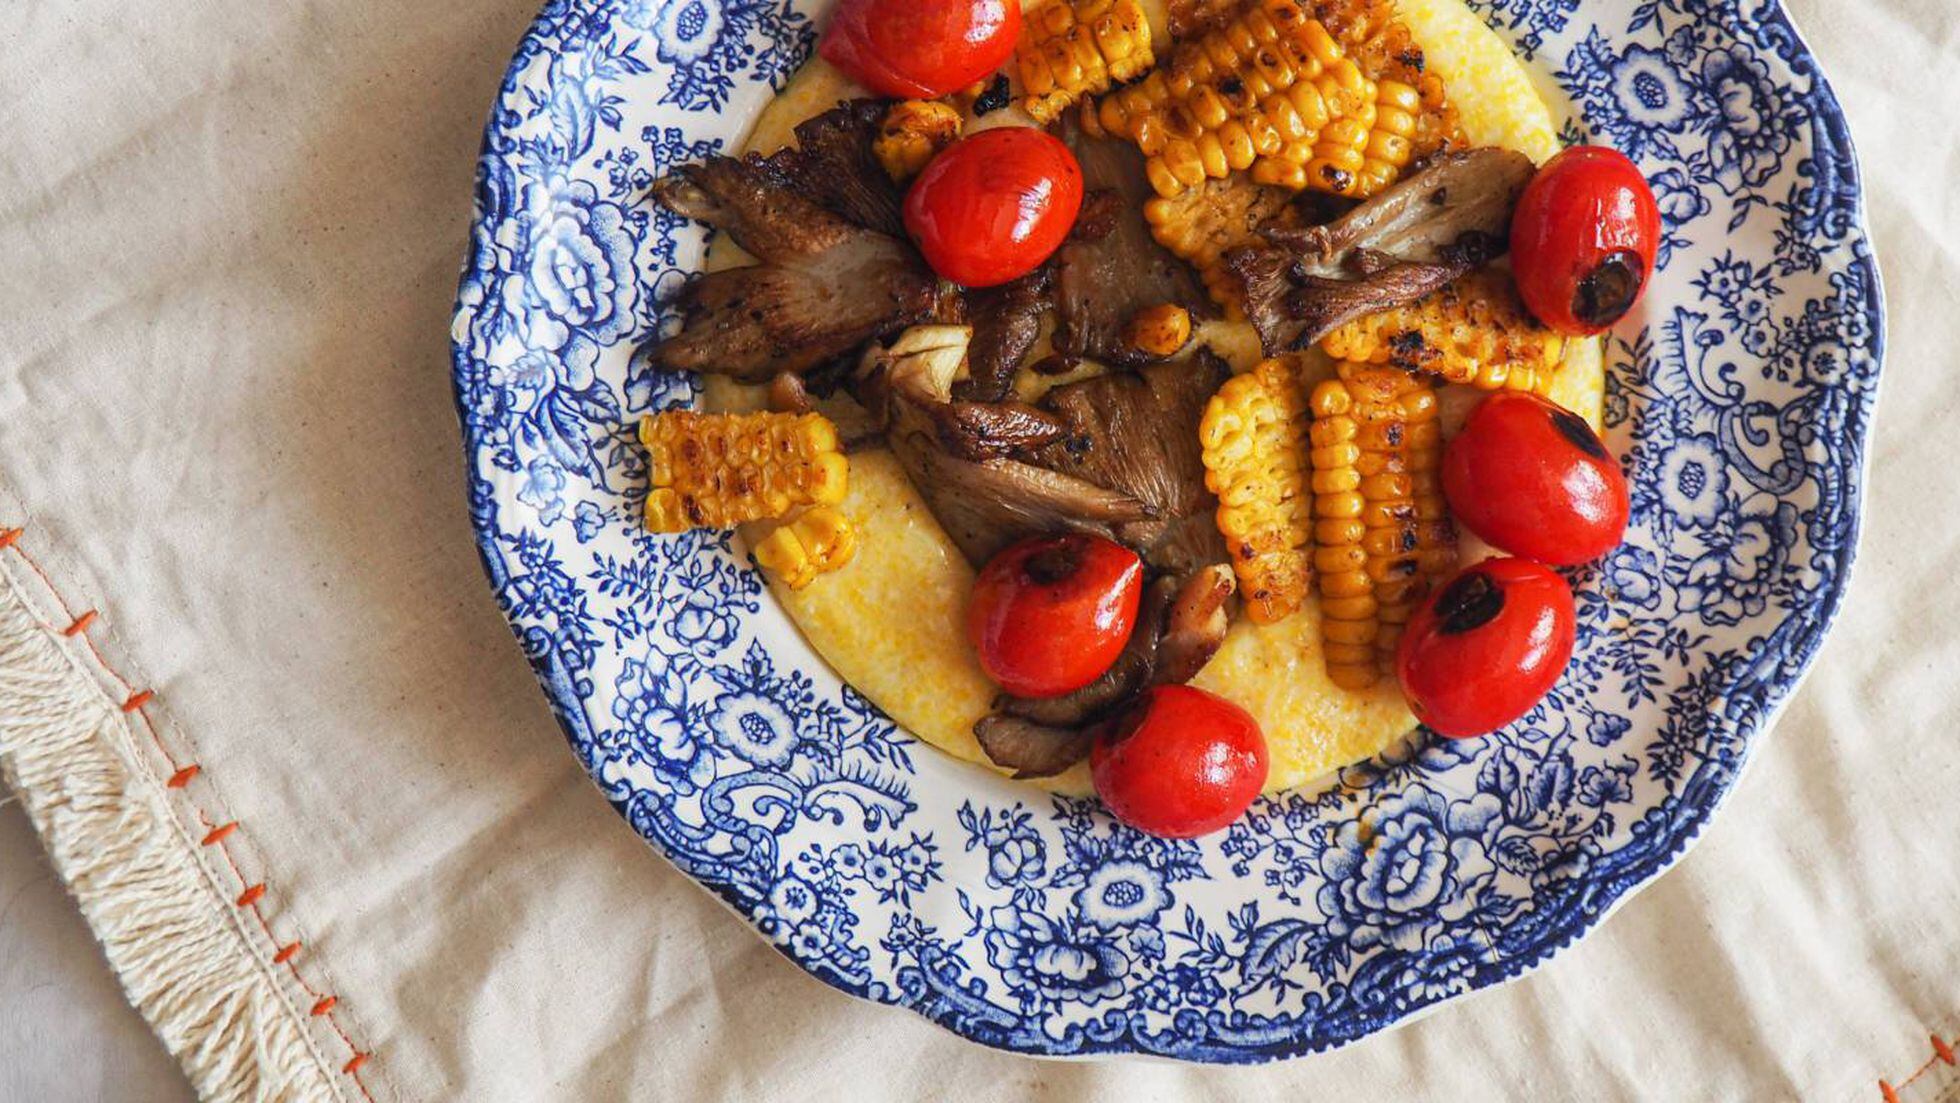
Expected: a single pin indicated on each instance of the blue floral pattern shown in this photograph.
(1740, 397)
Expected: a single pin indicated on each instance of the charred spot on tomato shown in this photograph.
(1574, 428)
(1054, 563)
(993, 99)
(1608, 291)
(1469, 603)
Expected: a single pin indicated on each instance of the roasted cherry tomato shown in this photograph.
(1486, 646)
(1050, 614)
(1180, 763)
(1583, 239)
(921, 49)
(995, 205)
(1532, 478)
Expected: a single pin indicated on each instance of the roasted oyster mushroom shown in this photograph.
(1433, 226)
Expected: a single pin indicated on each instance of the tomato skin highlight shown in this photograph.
(1486, 646)
(1050, 614)
(920, 49)
(1180, 763)
(995, 206)
(1583, 239)
(1533, 479)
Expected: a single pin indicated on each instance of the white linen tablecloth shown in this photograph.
(229, 237)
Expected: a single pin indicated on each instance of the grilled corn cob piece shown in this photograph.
(1380, 43)
(1203, 224)
(1255, 94)
(1280, 94)
(914, 131)
(1076, 48)
(1474, 330)
(818, 542)
(720, 470)
(1382, 534)
(1251, 435)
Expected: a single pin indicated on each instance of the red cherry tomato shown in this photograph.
(994, 206)
(1486, 646)
(1533, 479)
(1050, 614)
(1583, 239)
(1180, 763)
(921, 49)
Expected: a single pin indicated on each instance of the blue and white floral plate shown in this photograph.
(1741, 399)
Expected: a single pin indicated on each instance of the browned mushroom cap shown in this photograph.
(824, 287)
(1112, 267)
(1436, 224)
(1029, 749)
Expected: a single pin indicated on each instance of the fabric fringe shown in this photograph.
(184, 959)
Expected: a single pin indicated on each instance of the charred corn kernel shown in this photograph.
(818, 542)
(720, 470)
(1189, 17)
(1276, 92)
(1076, 48)
(1473, 331)
(1349, 608)
(1159, 331)
(1376, 447)
(914, 131)
(1251, 437)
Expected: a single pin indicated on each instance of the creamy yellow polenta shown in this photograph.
(892, 622)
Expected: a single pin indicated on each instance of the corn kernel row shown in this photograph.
(1381, 533)
(1474, 331)
(721, 470)
(1076, 48)
(1250, 436)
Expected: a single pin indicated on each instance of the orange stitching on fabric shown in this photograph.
(1942, 1052)
(254, 892)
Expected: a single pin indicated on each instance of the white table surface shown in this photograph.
(66, 1034)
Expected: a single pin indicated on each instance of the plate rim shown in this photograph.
(1751, 732)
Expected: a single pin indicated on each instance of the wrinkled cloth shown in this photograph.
(228, 248)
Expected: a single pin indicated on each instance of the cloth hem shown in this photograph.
(178, 946)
